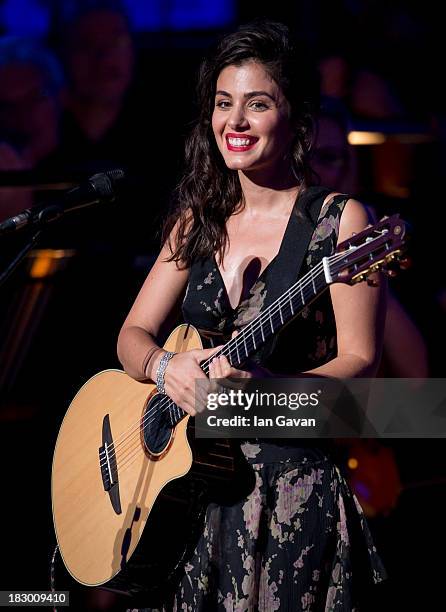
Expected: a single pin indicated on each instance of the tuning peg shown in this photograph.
(372, 282)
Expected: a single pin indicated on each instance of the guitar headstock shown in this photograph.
(377, 247)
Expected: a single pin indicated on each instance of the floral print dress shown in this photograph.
(299, 541)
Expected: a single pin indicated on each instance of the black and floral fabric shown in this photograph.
(299, 541)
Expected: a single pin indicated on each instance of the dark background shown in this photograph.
(62, 309)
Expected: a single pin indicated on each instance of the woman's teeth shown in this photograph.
(240, 142)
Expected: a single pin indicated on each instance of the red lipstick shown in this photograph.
(240, 142)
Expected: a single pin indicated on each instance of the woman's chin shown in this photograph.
(239, 164)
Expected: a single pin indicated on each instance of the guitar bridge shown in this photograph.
(108, 467)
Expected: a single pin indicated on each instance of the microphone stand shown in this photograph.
(19, 257)
(52, 212)
(100, 187)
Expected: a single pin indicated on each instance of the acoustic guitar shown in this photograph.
(121, 442)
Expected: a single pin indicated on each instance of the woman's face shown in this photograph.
(251, 119)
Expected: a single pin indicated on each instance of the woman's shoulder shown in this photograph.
(355, 217)
(351, 205)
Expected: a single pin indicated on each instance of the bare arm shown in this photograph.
(154, 307)
(359, 312)
(153, 310)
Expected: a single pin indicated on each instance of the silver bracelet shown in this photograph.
(161, 370)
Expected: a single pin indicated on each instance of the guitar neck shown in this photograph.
(371, 250)
(267, 324)
(274, 318)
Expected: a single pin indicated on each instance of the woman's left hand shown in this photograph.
(221, 368)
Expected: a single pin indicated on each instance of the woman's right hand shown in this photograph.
(180, 378)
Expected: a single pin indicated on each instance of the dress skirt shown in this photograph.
(298, 542)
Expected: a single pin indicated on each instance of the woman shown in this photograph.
(230, 246)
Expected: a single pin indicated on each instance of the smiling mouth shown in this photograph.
(240, 143)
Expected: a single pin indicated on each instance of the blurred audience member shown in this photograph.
(334, 159)
(30, 85)
(112, 118)
(363, 90)
(370, 98)
(99, 56)
(334, 162)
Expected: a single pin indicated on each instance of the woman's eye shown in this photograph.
(258, 106)
(223, 104)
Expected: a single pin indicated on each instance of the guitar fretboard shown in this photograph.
(265, 325)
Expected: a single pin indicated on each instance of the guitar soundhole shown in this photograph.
(157, 427)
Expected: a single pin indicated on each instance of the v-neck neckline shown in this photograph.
(268, 266)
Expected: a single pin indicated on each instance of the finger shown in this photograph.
(212, 377)
(217, 368)
(225, 371)
(207, 353)
(188, 407)
(225, 367)
(229, 371)
(197, 372)
(214, 387)
(212, 368)
(200, 402)
(201, 393)
(234, 378)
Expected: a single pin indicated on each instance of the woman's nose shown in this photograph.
(237, 119)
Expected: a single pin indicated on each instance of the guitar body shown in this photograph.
(97, 530)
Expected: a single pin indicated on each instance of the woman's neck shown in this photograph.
(273, 194)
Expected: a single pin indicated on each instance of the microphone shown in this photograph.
(98, 189)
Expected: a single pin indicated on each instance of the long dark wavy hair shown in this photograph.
(209, 192)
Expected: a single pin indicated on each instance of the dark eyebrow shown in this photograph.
(250, 94)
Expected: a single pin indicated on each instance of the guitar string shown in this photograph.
(133, 448)
(130, 457)
(168, 403)
(239, 341)
(162, 406)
